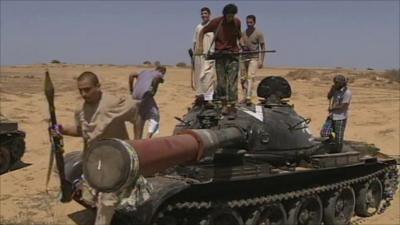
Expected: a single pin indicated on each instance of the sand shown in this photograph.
(374, 118)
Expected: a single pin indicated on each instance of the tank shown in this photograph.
(262, 166)
(12, 144)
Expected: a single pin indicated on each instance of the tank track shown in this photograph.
(389, 175)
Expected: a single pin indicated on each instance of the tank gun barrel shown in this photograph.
(158, 154)
(110, 164)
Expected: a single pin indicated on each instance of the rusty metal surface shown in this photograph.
(158, 154)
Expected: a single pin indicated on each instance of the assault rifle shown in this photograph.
(214, 55)
(191, 55)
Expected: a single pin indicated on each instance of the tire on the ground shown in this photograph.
(18, 147)
(5, 159)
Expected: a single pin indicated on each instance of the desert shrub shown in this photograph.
(369, 74)
(157, 63)
(55, 61)
(181, 64)
(350, 79)
(147, 63)
(302, 74)
(389, 76)
(392, 75)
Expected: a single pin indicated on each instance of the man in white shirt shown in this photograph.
(204, 70)
(340, 97)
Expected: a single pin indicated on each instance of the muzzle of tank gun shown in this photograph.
(111, 165)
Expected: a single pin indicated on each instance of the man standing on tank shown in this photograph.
(227, 35)
(253, 40)
(204, 69)
(340, 97)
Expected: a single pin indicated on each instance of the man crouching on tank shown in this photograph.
(101, 116)
(340, 97)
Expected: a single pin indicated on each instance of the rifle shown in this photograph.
(57, 145)
(214, 55)
(190, 51)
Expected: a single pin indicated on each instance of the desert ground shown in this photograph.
(374, 118)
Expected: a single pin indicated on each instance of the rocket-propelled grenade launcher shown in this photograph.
(57, 144)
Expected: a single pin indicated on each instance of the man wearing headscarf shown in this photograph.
(340, 97)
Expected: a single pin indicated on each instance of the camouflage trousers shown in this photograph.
(227, 68)
(107, 203)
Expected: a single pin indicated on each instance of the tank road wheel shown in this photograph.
(369, 198)
(169, 219)
(5, 159)
(224, 216)
(306, 211)
(340, 207)
(272, 214)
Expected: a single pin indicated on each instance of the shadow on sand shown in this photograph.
(83, 217)
(17, 165)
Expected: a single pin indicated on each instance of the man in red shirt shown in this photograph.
(227, 34)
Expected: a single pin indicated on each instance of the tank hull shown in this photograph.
(189, 202)
(190, 198)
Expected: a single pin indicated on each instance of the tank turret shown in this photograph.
(273, 129)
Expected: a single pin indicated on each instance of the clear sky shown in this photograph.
(356, 34)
